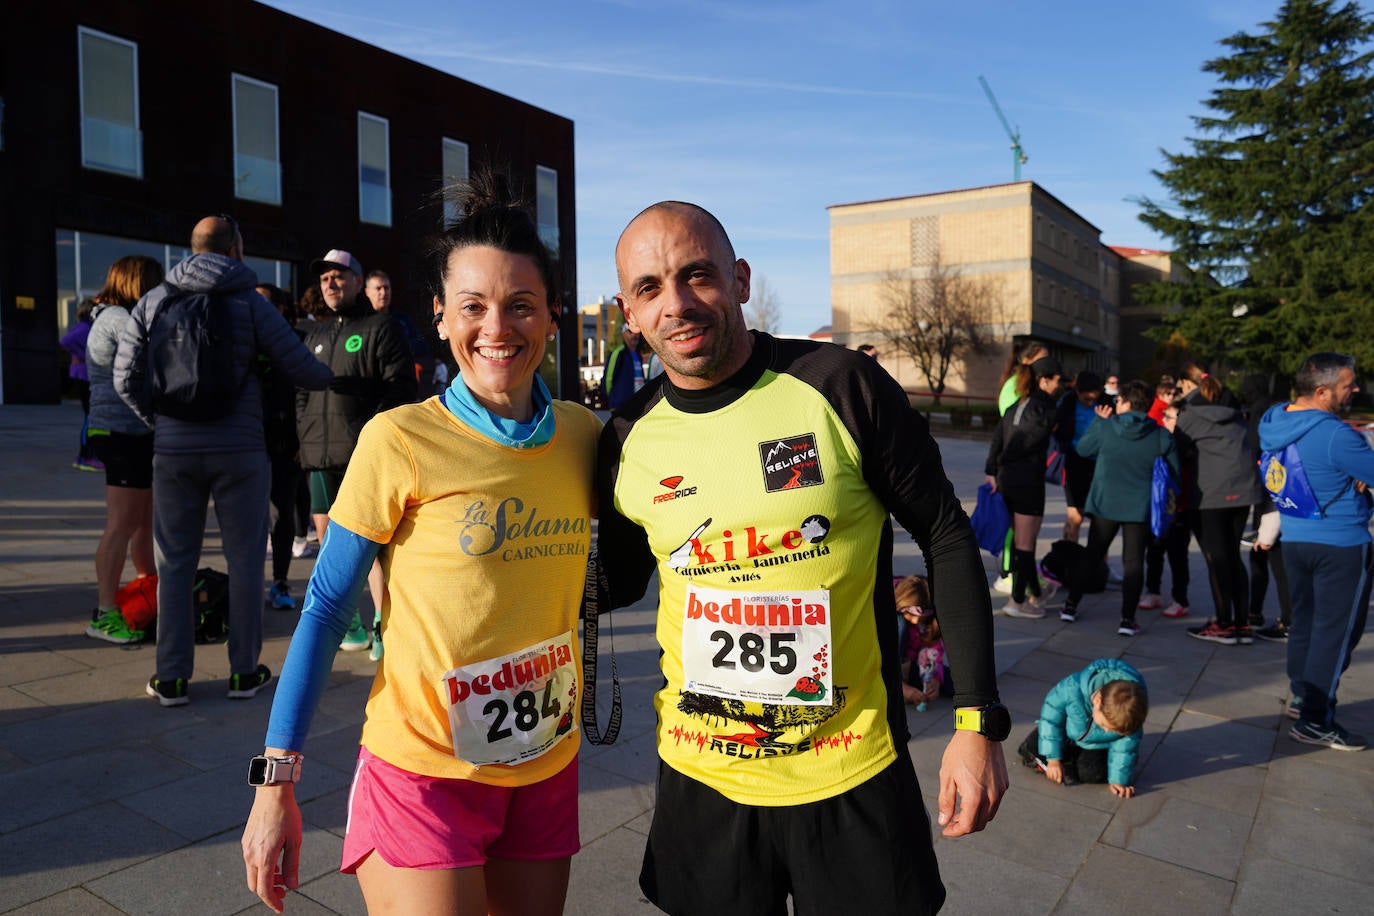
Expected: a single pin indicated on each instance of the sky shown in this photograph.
(767, 113)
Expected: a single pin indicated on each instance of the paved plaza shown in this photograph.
(113, 804)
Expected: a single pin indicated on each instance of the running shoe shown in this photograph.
(357, 638)
(112, 627)
(246, 686)
(1214, 632)
(1068, 613)
(1245, 635)
(1175, 610)
(1332, 736)
(173, 692)
(1150, 601)
(1294, 708)
(279, 597)
(301, 548)
(89, 464)
(1026, 610)
(1276, 633)
(1003, 585)
(1128, 628)
(375, 653)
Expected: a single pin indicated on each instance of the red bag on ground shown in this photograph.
(138, 602)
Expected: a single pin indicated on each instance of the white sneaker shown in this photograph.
(300, 548)
(1048, 590)
(1027, 610)
(1175, 610)
(1003, 585)
(1149, 601)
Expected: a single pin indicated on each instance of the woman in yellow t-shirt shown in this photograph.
(477, 502)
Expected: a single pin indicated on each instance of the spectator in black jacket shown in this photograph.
(1016, 469)
(1074, 417)
(372, 372)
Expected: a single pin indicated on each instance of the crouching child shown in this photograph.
(1090, 726)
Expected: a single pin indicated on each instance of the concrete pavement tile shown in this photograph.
(1165, 677)
(642, 823)
(1271, 887)
(635, 758)
(1203, 838)
(206, 878)
(84, 728)
(1329, 843)
(1208, 781)
(74, 902)
(1117, 882)
(1255, 706)
(300, 905)
(1012, 647)
(1169, 641)
(1303, 780)
(977, 883)
(18, 707)
(20, 665)
(1048, 667)
(328, 811)
(92, 685)
(337, 748)
(67, 851)
(605, 878)
(332, 893)
(1024, 780)
(1023, 696)
(606, 800)
(1354, 762)
(345, 697)
(226, 731)
(1211, 737)
(77, 782)
(1017, 833)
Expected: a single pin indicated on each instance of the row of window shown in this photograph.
(112, 141)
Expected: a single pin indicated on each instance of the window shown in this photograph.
(374, 170)
(110, 137)
(455, 168)
(546, 205)
(257, 160)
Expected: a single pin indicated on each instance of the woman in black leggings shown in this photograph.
(1228, 484)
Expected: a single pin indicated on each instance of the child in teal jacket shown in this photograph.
(1089, 727)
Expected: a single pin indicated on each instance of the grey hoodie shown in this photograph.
(258, 328)
(1227, 466)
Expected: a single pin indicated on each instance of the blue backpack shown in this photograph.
(1163, 497)
(1288, 486)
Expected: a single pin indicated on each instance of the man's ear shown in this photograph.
(742, 273)
(627, 314)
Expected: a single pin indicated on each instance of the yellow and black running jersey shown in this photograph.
(763, 502)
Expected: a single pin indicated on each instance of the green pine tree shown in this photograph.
(1273, 209)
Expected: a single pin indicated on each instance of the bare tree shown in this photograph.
(763, 312)
(939, 319)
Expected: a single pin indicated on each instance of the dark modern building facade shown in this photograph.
(124, 121)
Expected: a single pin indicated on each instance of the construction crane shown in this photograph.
(1018, 155)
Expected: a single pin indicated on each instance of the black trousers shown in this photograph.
(1081, 763)
(286, 475)
(1134, 537)
(1218, 534)
(1173, 545)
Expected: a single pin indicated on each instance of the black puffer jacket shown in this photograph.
(372, 371)
(1016, 456)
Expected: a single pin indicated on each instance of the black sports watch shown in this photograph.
(991, 721)
(273, 771)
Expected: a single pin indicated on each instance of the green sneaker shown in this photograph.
(357, 638)
(111, 627)
(376, 653)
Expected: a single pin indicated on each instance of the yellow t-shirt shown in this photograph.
(486, 549)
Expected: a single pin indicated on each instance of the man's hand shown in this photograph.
(1104, 411)
(1054, 771)
(973, 779)
(992, 482)
(1122, 791)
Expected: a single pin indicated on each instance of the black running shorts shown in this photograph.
(128, 459)
(868, 850)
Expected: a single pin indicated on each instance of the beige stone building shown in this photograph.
(1048, 272)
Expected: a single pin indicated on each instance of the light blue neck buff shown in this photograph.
(501, 430)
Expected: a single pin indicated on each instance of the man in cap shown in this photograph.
(372, 371)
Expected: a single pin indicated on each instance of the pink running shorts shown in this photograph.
(415, 821)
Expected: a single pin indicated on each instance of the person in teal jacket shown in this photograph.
(1090, 726)
(1125, 445)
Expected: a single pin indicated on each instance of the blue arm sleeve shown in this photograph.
(330, 599)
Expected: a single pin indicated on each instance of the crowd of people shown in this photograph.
(784, 768)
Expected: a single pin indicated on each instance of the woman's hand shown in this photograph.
(1104, 411)
(272, 844)
(992, 482)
